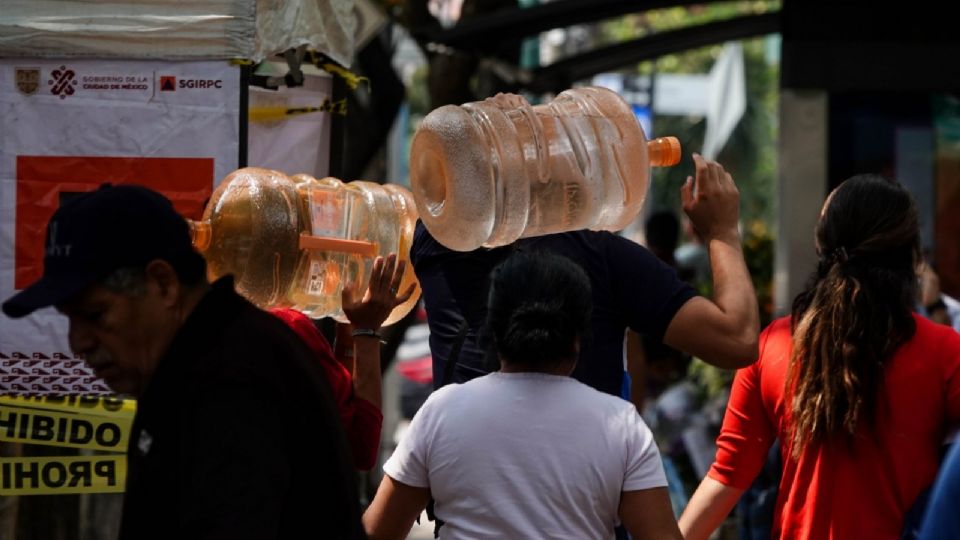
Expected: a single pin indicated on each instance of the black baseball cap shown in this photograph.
(95, 233)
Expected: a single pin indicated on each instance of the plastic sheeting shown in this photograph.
(176, 29)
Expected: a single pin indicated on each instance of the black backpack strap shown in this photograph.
(437, 523)
(454, 356)
(478, 310)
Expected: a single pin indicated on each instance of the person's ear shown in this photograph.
(163, 280)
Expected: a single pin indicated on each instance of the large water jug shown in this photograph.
(489, 172)
(295, 242)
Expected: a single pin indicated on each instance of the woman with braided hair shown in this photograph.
(859, 390)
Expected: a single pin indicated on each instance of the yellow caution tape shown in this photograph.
(69, 430)
(323, 62)
(275, 113)
(352, 79)
(62, 475)
(88, 405)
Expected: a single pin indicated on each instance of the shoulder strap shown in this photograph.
(454, 356)
(478, 308)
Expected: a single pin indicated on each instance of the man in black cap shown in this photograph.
(235, 435)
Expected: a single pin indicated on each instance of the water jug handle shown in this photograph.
(324, 243)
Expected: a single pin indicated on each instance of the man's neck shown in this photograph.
(191, 298)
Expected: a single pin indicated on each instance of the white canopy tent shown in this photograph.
(176, 29)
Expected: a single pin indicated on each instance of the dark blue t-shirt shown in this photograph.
(631, 288)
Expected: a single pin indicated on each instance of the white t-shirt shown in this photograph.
(527, 455)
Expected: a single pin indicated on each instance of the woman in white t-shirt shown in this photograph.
(528, 452)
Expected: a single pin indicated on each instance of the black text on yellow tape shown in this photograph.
(95, 405)
(62, 475)
(63, 429)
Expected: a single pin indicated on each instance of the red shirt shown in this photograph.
(836, 490)
(362, 421)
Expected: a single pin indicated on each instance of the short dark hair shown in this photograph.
(539, 304)
(190, 270)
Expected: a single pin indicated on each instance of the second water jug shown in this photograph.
(295, 242)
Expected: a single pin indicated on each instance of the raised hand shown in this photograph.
(712, 201)
(381, 297)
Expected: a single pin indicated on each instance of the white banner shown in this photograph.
(66, 126)
(292, 143)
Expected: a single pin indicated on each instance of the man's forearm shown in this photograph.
(722, 331)
(733, 292)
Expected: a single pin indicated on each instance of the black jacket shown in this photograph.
(630, 287)
(237, 436)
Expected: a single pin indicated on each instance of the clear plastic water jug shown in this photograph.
(295, 242)
(489, 172)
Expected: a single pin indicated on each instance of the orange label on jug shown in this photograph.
(329, 209)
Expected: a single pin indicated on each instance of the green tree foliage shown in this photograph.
(750, 154)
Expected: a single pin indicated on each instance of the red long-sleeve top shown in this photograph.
(838, 490)
(362, 421)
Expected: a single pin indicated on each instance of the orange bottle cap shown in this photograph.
(664, 151)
